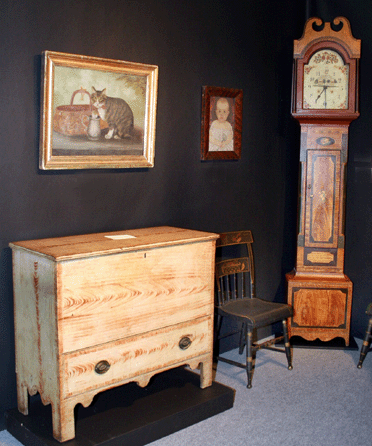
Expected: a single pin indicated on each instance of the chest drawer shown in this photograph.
(136, 356)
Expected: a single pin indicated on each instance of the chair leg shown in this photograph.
(287, 345)
(366, 344)
(249, 363)
(243, 331)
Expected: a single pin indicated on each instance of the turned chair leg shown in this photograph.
(366, 344)
(287, 345)
(243, 331)
(249, 363)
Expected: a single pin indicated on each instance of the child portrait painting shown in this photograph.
(221, 123)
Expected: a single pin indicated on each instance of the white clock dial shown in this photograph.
(326, 80)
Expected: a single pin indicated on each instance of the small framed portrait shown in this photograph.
(97, 113)
(221, 133)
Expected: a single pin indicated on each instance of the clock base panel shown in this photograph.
(322, 307)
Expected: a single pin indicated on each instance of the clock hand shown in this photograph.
(325, 95)
(320, 93)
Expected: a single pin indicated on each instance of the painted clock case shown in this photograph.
(318, 289)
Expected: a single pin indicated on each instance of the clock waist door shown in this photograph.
(321, 243)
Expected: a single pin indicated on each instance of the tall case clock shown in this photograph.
(325, 102)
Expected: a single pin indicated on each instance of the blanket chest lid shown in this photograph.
(78, 246)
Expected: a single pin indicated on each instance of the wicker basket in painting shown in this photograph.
(73, 119)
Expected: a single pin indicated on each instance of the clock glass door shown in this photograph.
(326, 79)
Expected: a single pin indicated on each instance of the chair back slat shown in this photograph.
(234, 238)
(241, 269)
(232, 266)
(243, 285)
(231, 277)
(234, 287)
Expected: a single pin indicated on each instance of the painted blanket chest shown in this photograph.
(96, 311)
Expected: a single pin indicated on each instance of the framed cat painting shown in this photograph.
(97, 113)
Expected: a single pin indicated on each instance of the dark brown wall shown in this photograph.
(234, 44)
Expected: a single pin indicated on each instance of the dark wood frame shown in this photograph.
(207, 98)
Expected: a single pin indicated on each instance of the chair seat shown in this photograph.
(256, 312)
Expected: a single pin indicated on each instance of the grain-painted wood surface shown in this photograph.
(127, 307)
(136, 356)
(35, 314)
(102, 299)
(322, 307)
(105, 243)
(321, 213)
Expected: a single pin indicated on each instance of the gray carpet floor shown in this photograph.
(324, 401)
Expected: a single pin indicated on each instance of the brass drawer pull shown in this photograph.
(184, 343)
(102, 367)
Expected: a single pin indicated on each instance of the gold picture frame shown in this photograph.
(221, 136)
(118, 132)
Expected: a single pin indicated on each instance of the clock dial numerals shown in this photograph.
(326, 80)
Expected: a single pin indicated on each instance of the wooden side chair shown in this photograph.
(367, 338)
(235, 283)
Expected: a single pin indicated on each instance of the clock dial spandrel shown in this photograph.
(326, 79)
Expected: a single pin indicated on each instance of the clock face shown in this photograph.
(326, 81)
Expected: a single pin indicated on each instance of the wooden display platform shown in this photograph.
(129, 415)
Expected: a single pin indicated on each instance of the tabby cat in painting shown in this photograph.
(116, 112)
